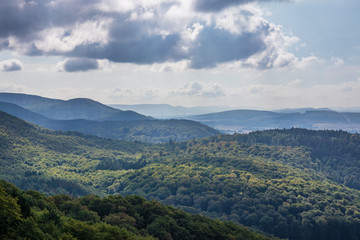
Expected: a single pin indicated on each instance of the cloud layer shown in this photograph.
(218, 5)
(204, 33)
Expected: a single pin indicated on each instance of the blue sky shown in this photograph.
(327, 27)
(239, 53)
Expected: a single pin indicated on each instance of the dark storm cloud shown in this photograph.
(143, 51)
(218, 5)
(217, 46)
(10, 65)
(212, 47)
(19, 18)
(24, 19)
(126, 39)
(4, 44)
(80, 65)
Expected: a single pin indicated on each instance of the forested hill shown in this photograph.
(275, 181)
(31, 215)
(336, 154)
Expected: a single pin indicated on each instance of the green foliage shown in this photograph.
(336, 154)
(288, 183)
(10, 214)
(64, 217)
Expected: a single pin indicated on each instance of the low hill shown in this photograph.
(78, 108)
(252, 120)
(282, 182)
(141, 130)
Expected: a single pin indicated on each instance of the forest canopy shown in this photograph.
(295, 183)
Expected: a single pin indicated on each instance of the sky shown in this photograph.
(265, 54)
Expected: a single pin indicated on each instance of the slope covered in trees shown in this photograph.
(280, 182)
(31, 215)
(336, 154)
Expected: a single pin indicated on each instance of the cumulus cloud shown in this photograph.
(83, 65)
(78, 65)
(10, 65)
(144, 32)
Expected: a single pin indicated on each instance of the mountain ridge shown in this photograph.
(77, 108)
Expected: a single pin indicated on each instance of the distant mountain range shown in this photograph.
(251, 120)
(90, 117)
(230, 120)
(168, 111)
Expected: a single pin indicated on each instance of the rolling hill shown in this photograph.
(289, 183)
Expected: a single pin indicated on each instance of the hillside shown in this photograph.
(336, 154)
(141, 130)
(279, 182)
(251, 120)
(31, 215)
(78, 108)
(24, 114)
(154, 131)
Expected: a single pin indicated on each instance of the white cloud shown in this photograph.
(65, 39)
(337, 61)
(170, 67)
(202, 90)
